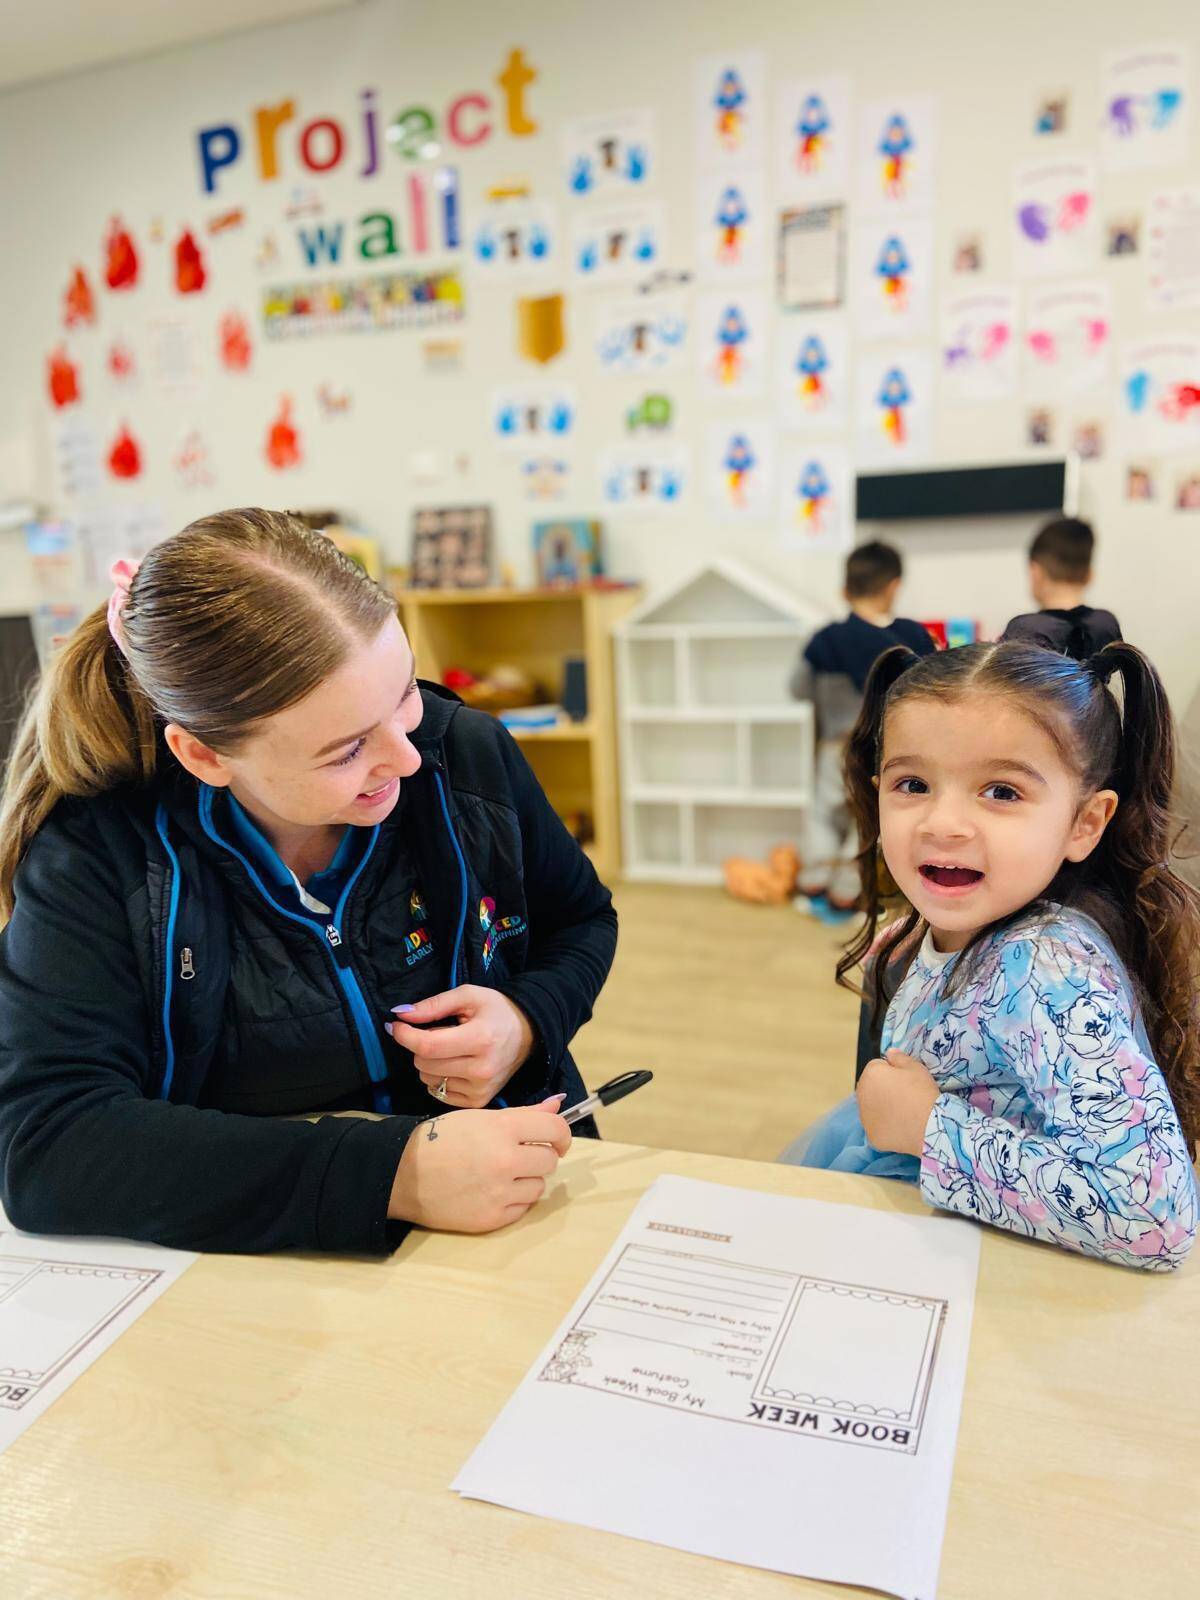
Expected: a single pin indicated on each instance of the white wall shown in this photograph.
(122, 140)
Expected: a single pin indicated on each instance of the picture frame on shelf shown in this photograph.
(567, 552)
(451, 547)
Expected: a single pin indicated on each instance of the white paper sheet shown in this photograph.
(62, 1303)
(765, 1380)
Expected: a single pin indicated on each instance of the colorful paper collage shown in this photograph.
(897, 155)
(733, 226)
(192, 461)
(1159, 390)
(732, 345)
(978, 358)
(1055, 221)
(816, 497)
(1146, 108)
(813, 139)
(647, 477)
(514, 240)
(610, 155)
(810, 276)
(813, 375)
(283, 447)
(363, 305)
(544, 479)
(62, 379)
(740, 470)
(893, 405)
(641, 336)
(616, 246)
(1068, 338)
(527, 417)
(893, 277)
(730, 110)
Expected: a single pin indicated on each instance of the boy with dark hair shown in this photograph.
(832, 673)
(1060, 569)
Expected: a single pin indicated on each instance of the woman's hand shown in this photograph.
(476, 1058)
(895, 1098)
(473, 1171)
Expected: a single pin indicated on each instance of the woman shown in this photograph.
(247, 860)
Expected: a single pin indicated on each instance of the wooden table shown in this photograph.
(288, 1426)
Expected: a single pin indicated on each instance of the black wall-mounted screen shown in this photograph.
(962, 492)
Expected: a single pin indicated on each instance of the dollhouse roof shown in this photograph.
(724, 592)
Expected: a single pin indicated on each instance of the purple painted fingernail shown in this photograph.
(387, 1028)
(400, 1010)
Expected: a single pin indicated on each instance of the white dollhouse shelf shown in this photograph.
(716, 759)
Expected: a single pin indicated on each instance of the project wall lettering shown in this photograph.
(284, 146)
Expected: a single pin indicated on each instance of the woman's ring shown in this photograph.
(440, 1091)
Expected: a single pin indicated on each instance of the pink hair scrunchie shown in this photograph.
(122, 574)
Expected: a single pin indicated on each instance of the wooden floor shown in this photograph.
(734, 1009)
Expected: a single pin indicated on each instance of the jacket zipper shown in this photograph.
(160, 824)
(462, 875)
(332, 940)
(499, 1101)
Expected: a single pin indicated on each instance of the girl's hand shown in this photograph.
(478, 1057)
(895, 1098)
(478, 1170)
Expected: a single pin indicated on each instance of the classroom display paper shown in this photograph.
(766, 1380)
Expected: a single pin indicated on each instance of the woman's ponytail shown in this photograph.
(87, 728)
(861, 766)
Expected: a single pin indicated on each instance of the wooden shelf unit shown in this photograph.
(536, 629)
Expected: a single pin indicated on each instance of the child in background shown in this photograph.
(832, 673)
(1040, 1061)
(1060, 570)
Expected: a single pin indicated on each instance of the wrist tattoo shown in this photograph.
(432, 1132)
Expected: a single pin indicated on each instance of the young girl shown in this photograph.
(1040, 1067)
(245, 860)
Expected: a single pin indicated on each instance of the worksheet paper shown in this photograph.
(766, 1380)
(62, 1303)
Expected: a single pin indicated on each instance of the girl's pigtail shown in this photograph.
(1161, 913)
(861, 767)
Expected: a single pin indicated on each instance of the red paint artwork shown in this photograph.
(62, 375)
(283, 441)
(125, 459)
(121, 259)
(236, 349)
(122, 366)
(190, 272)
(79, 304)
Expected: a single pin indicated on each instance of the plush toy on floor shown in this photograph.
(769, 884)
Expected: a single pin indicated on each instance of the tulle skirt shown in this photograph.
(838, 1143)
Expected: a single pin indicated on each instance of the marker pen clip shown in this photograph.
(606, 1094)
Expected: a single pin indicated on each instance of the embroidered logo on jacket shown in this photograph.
(416, 906)
(418, 945)
(496, 929)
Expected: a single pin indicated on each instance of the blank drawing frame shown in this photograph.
(856, 1353)
(40, 1321)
